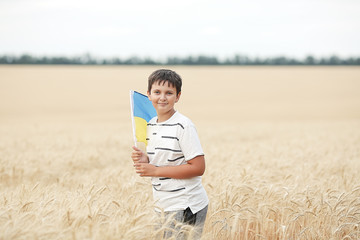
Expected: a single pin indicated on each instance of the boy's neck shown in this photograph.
(166, 116)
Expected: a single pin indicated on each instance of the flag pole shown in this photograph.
(132, 116)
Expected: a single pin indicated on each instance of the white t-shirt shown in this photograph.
(172, 143)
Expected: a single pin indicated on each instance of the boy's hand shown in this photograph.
(138, 156)
(145, 169)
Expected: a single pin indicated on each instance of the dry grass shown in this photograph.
(282, 149)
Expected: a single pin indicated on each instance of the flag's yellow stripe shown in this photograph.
(140, 129)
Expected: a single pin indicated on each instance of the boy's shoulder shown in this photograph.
(182, 119)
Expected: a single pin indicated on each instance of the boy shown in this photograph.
(175, 159)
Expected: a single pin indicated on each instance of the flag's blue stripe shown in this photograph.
(143, 107)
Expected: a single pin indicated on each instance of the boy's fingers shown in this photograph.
(136, 149)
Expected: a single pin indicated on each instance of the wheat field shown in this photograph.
(282, 150)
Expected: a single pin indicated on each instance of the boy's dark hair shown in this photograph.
(165, 75)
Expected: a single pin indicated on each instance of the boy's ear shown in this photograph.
(148, 94)
(178, 97)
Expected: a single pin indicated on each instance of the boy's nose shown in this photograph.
(163, 97)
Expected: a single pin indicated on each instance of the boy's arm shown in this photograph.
(194, 167)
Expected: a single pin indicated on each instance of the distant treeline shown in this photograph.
(87, 59)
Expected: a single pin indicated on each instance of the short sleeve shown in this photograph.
(190, 143)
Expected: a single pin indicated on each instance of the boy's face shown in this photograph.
(163, 97)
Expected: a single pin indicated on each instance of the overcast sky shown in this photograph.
(159, 28)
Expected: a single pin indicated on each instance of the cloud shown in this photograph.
(210, 31)
(168, 27)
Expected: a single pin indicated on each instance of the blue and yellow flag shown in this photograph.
(142, 111)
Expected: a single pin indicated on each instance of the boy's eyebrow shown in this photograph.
(171, 90)
(168, 90)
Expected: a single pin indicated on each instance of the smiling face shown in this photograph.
(163, 97)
